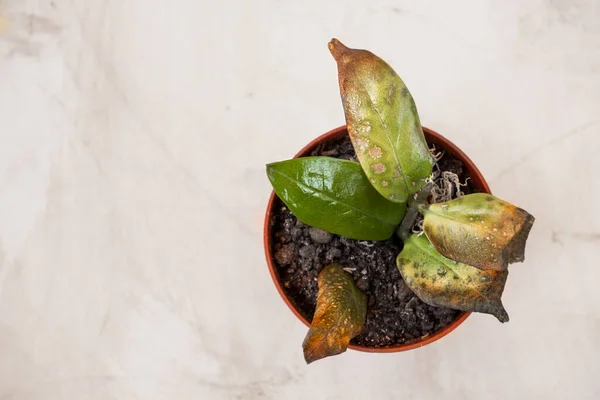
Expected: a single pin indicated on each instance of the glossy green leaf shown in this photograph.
(383, 123)
(479, 230)
(335, 195)
(339, 316)
(441, 282)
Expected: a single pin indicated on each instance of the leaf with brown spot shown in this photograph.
(479, 230)
(340, 315)
(441, 282)
(383, 123)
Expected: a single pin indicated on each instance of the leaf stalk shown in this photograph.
(414, 203)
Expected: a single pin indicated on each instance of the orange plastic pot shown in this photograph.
(440, 143)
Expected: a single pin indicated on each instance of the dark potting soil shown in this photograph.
(394, 314)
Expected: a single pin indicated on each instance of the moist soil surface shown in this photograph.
(394, 314)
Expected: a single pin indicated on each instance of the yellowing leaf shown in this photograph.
(479, 230)
(383, 123)
(441, 282)
(340, 315)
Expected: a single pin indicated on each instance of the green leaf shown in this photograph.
(479, 230)
(383, 123)
(336, 196)
(441, 282)
(340, 315)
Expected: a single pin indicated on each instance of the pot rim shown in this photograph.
(432, 137)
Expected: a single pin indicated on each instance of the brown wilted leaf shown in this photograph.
(340, 315)
(441, 282)
(479, 230)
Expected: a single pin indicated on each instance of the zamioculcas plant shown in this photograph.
(458, 258)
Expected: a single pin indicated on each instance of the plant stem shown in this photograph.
(413, 210)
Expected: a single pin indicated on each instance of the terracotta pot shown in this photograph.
(432, 137)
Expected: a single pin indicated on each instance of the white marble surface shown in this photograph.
(133, 138)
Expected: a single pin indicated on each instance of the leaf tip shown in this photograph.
(516, 247)
(270, 168)
(336, 48)
(323, 343)
(310, 355)
(501, 314)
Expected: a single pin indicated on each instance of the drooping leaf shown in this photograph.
(340, 315)
(335, 195)
(479, 230)
(383, 123)
(441, 282)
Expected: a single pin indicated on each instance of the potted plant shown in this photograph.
(386, 236)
